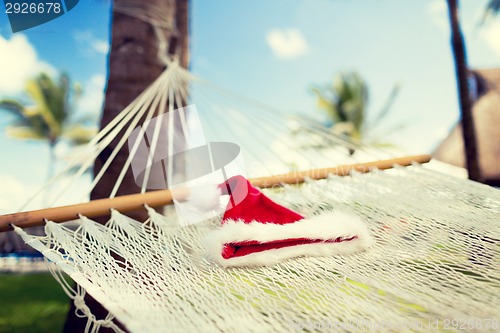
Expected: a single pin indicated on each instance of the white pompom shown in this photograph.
(204, 197)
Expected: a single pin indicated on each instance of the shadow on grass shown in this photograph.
(32, 303)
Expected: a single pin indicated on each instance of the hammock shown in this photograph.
(434, 264)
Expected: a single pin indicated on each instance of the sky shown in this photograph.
(273, 51)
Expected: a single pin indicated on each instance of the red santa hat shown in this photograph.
(256, 231)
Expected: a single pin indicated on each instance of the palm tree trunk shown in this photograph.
(467, 120)
(50, 169)
(52, 159)
(182, 22)
(133, 65)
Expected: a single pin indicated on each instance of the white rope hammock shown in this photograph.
(436, 252)
(436, 257)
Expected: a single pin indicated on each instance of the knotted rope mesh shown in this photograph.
(434, 264)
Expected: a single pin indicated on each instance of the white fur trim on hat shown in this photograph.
(204, 197)
(326, 226)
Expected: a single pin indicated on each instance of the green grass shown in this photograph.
(31, 303)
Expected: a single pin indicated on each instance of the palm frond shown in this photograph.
(325, 104)
(78, 134)
(346, 103)
(23, 133)
(12, 106)
(35, 89)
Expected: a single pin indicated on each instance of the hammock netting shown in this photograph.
(438, 263)
(435, 257)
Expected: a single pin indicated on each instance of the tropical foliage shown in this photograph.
(48, 115)
(345, 103)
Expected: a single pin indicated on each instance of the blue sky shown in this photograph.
(387, 42)
(272, 51)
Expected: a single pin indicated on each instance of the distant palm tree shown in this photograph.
(461, 70)
(345, 103)
(48, 116)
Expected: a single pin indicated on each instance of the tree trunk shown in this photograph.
(182, 20)
(133, 65)
(52, 160)
(467, 120)
(51, 170)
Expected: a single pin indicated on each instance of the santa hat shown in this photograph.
(256, 231)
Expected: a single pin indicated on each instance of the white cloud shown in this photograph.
(19, 62)
(490, 33)
(87, 40)
(100, 46)
(287, 43)
(93, 95)
(439, 13)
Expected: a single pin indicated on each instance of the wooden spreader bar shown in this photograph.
(126, 203)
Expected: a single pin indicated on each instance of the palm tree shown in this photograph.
(460, 57)
(48, 116)
(133, 65)
(345, 104)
